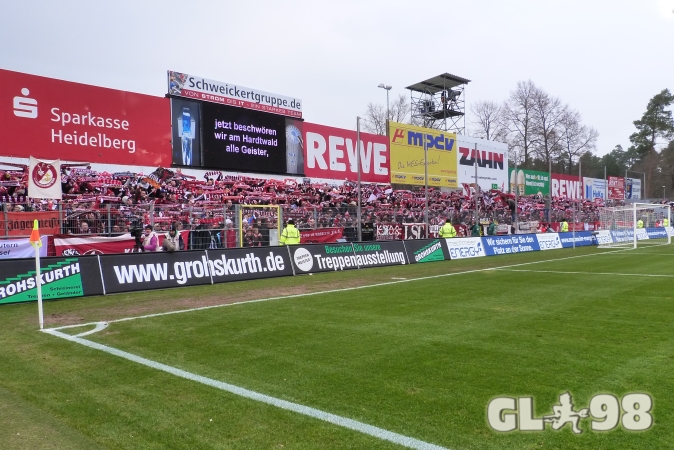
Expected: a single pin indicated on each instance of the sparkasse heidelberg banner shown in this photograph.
(492, 162)
(48, 118)
(195, 87)
(331, 153)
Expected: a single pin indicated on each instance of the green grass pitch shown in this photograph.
(420, 357)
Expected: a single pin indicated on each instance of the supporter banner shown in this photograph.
(78, 122)
(506, 245)
(21, 248)
(379, 254)
(103, 245)
(331, 153)
(594, 188)
(417, 231)
(141, 271)
(582, 238)
(61, 278)
(21, 223)
(249, 264)
(389, 232)
(408, 158)
(529, 182)
(616, 188)
(568, 186)
(492, 162)
(321, 235)
(633, 188)
(192, 86)
(314, 258)
(548, 241)
(44, 179)
(426, 250)
(460, 248)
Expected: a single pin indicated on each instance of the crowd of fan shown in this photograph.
(110, 203)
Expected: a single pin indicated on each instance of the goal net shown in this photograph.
(635, 225)
(259, 225)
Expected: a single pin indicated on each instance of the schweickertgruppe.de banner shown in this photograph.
(61, 278)
(21, 248)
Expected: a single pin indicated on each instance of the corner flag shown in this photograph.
(34, 239)
(36, 242)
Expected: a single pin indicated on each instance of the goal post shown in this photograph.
(637, 225)
(259, 225)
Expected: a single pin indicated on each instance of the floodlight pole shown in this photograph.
(516, 189)
(358, 213)
(388, 88)
(605, 187)
(426, 186)
(477, 214)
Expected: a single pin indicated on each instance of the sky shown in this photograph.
(604, 58)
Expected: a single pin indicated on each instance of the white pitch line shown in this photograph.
(345, 422)
(332, 291)
(587, 273)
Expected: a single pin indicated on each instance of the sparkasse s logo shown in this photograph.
(25, 106)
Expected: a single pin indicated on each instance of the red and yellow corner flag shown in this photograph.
(34, 239)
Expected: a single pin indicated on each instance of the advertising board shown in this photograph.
(199, 88)
(426, 250)
(548, 241)
(141, 271)
(21, 223)
(492, 162)
(244, 140)
(616, 188)
(49, 118)
(529, 182)
(461, 248)
(249, 263)
(315, 258)
(569, 186)
(186, 132)
(581, 238)
(331, 153)
(594, 188)
(511, 244)
(379, 254)
(408, 158)
(633, 188)
(61, 278)
(21, 248)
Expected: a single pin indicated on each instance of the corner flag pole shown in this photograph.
(36, 242)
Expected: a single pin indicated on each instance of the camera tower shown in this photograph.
(439, 103)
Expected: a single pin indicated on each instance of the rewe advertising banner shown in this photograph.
(529, 182)
(44, 117)
(331, 153)
(61, 278)
(199, 88)
(569, 186)
(616, 188)
(492, 162)
(408, 146)
(594, 188)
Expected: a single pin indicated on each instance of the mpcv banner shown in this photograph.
(514, 243)
(323, 257)
(460, 248)
(61, 278)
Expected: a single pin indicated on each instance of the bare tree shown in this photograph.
(577, 139)
(518, 113)
(375, 116)
(548, 113)
(488, 120)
